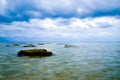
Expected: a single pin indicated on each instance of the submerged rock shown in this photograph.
(34, 52)
(29, 45)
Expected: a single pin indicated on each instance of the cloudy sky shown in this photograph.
(60, 20)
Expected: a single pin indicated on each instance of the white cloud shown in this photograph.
(81, 7)
(75, 29)
(91, 6)
(3, 5)
(34, 14)
(55, 5)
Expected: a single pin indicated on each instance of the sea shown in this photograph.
(86, 61)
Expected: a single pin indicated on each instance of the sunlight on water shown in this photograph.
(88, 61)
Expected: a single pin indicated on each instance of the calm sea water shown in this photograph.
(88, 61)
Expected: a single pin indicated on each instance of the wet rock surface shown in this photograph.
(34, 52)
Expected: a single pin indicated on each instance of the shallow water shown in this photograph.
(88, 61)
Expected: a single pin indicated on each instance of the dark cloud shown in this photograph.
(23, 10)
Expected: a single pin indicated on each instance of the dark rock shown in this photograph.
(48, 43)
(34, 52)
(29, 45)
(8, 45)
(60, 44)
(69, 46)
(41, 44)
(15, 44)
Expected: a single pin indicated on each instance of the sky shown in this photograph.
(60, 20)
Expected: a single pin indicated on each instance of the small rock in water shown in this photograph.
(48, 43)
(41, 44)
(60, 44)
(69, 46)
(8, 45)
(16, 44)
(34, 52)
(29, 45)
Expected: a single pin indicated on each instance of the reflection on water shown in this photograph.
(90, 61)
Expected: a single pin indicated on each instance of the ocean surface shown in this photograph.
(87, 61)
